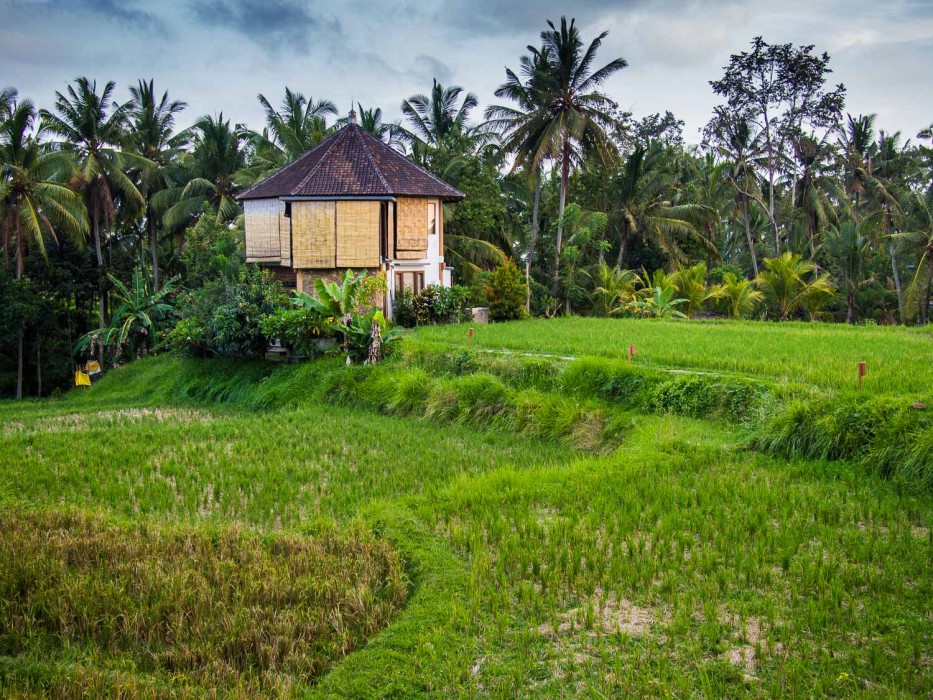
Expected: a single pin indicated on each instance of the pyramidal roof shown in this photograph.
(352, 163)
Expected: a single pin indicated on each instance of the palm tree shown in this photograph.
(859, 152)
(784, 282)
(615, 288)
(741, 294)
(818, 192)
(513, 124)
(151, 134)
(214, 172)
(733, 138)
(298, 125)
(35, 198)
(849, 252)
(690, 283)
(436, 119)
(920, 288)
(642, 205)
(81, 118)
(573, 113)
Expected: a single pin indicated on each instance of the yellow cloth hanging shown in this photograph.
(82, 379)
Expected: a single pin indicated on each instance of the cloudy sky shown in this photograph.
(218, 56)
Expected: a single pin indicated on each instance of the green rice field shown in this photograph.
(898, 359)
(458, 523)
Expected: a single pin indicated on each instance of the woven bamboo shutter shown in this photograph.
(261, 218)
(412, 227)
(285, 236)
(357, 234)
(313, 235)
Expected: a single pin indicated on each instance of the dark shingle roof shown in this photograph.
(352, 163)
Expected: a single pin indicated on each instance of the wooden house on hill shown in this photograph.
(351, 202)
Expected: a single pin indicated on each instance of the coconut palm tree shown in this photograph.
(512, 123)
(151, 133)
(849, 251)
(573, 112)
(818, 195)
(920, 288)
(860, 150)
(643, 205)
(439, 118)
(298, 125)
(690, 283)
(785, 283)
(733, 138)
(615, 288)
(35, 198)
(740, 293)
(93, 132)
(213, 172)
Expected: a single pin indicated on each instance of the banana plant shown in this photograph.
(136, 321)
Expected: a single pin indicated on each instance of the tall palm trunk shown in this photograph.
(897, 283)
(101, 304)
(623, 247)
(564, 186)
(534, 237)
(748, 236)
(154, 248)
(19, 341)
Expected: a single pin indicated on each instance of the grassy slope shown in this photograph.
(677, 564)
(898, 360)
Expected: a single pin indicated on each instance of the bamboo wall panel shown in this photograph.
(412, 225)
(357, 234)
(313, 235)
(285, 236)
(263, 239)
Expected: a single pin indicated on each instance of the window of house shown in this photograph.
(409, 281)
(432, 218)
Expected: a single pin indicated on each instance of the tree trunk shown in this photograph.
(748, 236)
(623, 248)
(533, 241)
(19, 342)
(564, 185)
(154, 247)
(39, 366)
(850, 306)
(100, 283)
(897, 283)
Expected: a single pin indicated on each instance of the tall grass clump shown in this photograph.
(893, 436)
(218, 608)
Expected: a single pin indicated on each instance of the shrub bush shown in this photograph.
(299, 330)
(506, 293)
(433, 305)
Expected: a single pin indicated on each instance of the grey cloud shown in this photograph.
(428, 67)
(273, 24)
(114, 10)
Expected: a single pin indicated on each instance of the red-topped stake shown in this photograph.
(470, 337)
(631, 353)
(861, 373)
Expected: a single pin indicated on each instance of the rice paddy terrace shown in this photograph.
(527, 515)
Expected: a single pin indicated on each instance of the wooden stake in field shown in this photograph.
(631, 353)
(470, 338)
(861, 373)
